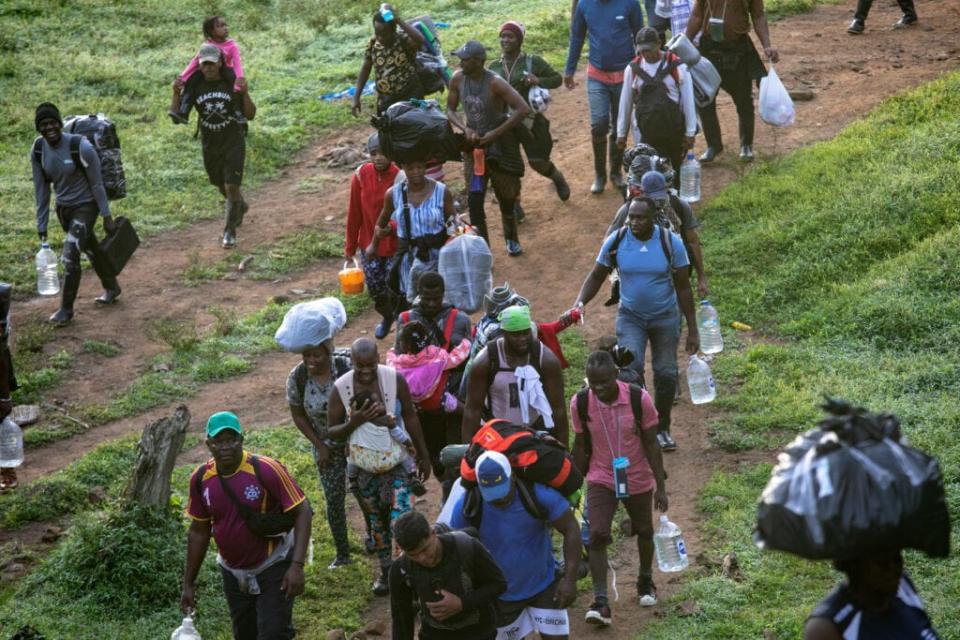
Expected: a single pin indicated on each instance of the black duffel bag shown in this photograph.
(415, 130)
(120, 245)
(850, 488)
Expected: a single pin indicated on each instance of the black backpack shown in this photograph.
(102, 134)
(615, 247)
(657, 115)
(636, 404)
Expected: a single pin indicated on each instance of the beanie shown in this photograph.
(44, 111)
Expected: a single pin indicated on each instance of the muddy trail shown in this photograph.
(844, 75)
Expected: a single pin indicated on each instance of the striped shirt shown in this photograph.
(426, 218)
(240, 548)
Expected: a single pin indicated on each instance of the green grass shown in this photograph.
(845, 255)
(71, 596)
(105, 348)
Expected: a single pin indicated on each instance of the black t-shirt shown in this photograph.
(218, 109)
(476, 580)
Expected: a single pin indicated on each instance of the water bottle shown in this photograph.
(671, 552)
(186, 631)
(48, 280)
(690, 179)
(700, 381)
(709, 324)
(386, 13)
(11, 444)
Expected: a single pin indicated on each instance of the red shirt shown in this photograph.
(236, 543)
(367, 189)
(612, 435)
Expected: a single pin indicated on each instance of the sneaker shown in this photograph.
(904, 22)
(513, 248)
(381, 587)
(61, 318)
(339, 561)
(229, 240)
(666, 442)
(855, 28)
(599, 614)
(646, 591)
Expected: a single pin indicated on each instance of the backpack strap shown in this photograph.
(405, 214)
(529, 62)
(583, 401)
(300, 379)
(78, 160)
(448, 328)
(465, 546)
(665, 243)
(198, 478)
(38, 158)
(615, 247)
(636, 404)
(528, 497)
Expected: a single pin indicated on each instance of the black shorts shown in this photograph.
(223, 159)
(539, 143)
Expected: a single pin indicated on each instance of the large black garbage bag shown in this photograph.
(415, 129)
(852, 487)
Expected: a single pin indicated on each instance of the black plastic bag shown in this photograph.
(850, 488)
(414, 129)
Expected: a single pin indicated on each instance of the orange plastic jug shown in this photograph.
(351, 278)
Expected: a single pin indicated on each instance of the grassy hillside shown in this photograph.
(846, 255)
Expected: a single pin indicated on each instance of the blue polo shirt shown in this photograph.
(646, 281)
(610, 25)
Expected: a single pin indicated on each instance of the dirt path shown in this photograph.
(847, 75)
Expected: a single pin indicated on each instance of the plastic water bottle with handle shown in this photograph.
(671, 551)
(11, 444)
(186, 631)
(690, 179)
(386, 13)
(708, 322)
(48, 280)
(700, 381)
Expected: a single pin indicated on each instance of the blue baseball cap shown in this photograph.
(223, 420)
(493, 475)
(654, 185)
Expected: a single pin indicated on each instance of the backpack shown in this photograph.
(493, 366)
(657, 115)
(435, 401)
(583, 401)
(532, 457)
(473, 503)
(431, 67)
(102, 134)
(615, 247)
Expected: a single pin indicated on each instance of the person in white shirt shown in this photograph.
(661, 94)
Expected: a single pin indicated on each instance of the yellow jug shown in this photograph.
(351, 278)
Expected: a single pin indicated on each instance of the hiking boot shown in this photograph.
(646, 591)
(109, 296)
(746, 153)
(339, 561)
(416, 486)
(599, 614)
(513, 248)
(710, 154)
(904, 22)
(518, 212)
(666, 442)
(381, 587)
(61, 318)
(383, 328)
(229, 239)
(855, 28)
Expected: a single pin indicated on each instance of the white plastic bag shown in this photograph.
(309, 324)
(776, 107)
(539, 99)
(466, 266)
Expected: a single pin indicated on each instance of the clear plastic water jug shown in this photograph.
(671, 551)
(48, 280)
(11, 444)
(700, 381)
(186, 631)
(690, 179)
(708, 322)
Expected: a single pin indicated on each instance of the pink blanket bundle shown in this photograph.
(423, 371)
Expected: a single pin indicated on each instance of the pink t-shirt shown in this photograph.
(231, 57)
(236, 543)
(612, 435)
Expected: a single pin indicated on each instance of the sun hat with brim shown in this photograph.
(493, 475)
(208, 53)
(221, 421)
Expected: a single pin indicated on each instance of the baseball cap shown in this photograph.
(223, 420)
(654, 185)
(493, 475)
(209, 53)
(647, 39)
(472, 49)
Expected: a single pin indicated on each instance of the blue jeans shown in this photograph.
(604, 101)
(663, 333)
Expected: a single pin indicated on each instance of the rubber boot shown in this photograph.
(665, 389)
(559, 183)
(616, 160)
(230, 215)
(71, 285)
(478, 214)
(508, 217)
(599, 165)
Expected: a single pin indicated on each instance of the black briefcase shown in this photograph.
(120, 245)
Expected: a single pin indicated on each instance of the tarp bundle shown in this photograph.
(852, 487)
(310, 324)
(706, 78)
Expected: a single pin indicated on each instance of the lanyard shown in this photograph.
(603, 425)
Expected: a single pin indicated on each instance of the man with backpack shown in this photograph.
(70, 163)
(654, 288)
(515, 520)
(222, 114)
(448, 327)
(661, 96)
(615, 445)
(260, 520)
(451, 575)
(516, 378)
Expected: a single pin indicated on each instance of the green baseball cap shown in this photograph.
(223, 420)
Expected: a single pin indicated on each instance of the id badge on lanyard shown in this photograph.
(620, 466)
(715, 25)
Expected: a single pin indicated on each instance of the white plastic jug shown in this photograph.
(48, 280)
(11, 444)
(700, 381)
(670, 548)
(708, 322)
(186, 631)
(690, 179)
